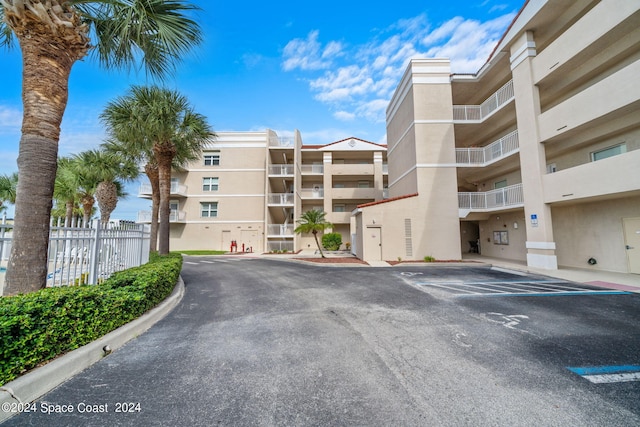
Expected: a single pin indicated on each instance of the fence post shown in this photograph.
(94, 262)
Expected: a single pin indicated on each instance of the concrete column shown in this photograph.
(378, 181)
(327, 184)
(540, 244)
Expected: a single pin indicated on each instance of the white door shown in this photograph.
(374, 244)
(632, 243)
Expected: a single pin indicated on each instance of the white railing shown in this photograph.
(175, 189)
(477, 113)
(311, 169)
(174, 216)
(492, 200)
(281, 170)
(282, 141)
(312, 193)
(279, 245)
(484, 156)
(280, 229)
(86, 255)
(385, 168)
(280, 199)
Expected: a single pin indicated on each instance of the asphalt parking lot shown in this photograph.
(268, 342)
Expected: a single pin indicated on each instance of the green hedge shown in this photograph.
(37, 327)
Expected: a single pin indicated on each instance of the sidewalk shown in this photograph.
(607, 279)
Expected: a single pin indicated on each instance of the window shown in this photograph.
(363, 184)
(609, 152)
(212, 159)
(209, 209)
(210, 184)
(339, 208)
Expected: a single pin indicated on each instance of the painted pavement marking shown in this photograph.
(608, 374)
(517, 288)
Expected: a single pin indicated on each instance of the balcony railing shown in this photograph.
(282, 141)
(281, 170)
(174, 216)
(478, 113)
(385, 168)
(280, 229)
(312, 193)
(176, 189)
(484, 156)
(312, 169)
(500, 198)
(280, 199)
(280, 245)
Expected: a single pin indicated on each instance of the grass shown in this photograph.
(200, 252)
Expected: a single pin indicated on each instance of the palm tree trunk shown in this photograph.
(44, 96)
(151, 169)
(315, 236)
(68, 217)
(107, 196)
(164, 157)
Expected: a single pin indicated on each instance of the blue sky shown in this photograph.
(328, 69)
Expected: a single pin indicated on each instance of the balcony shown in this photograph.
(312, 193)
(281, 170)
(352, 169)
(353, 193)
(484, 156)
(312, 169)
(489, 201)
(282, 141)
(603, 178)
(479, 113)
(280, 199)
(144, 217)
(177, 190)
(340, 217)
(280, 230)
(385, 169)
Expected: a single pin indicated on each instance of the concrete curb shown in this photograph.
(40, 381)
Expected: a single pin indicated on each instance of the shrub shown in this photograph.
(332, 241)
(429, 258)
(37, 327)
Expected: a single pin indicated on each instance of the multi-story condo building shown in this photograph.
(536, 157)
(251, 187)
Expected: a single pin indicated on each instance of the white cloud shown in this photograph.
(308, 54)
(344, 116)
(10, 119)
(358, 81)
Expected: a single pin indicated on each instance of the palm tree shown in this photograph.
(65, 190)
(150, 119)
(53, 36)
(8, 185)
(313, 221)
(111, 169)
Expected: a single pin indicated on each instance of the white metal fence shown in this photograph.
(483, 156)
(86, 255)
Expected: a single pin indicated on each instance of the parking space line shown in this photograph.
(552, 294)
(608, 374)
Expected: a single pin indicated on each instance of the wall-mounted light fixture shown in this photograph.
(515, 225)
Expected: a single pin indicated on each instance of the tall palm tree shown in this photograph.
(65, 190)
(8, 185)
(53, 36)
(111, 169)
(151, 117)
(313, 221)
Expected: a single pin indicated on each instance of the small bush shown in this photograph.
(429, 258)
(332, 241)
(37, 327)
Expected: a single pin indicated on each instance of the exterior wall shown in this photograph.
(594, 229)
(511, 222)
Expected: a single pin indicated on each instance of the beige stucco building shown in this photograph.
(535, 158)
(251, 187)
